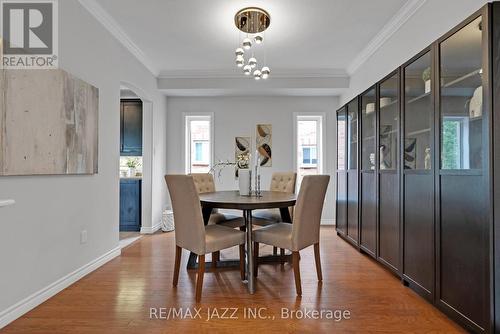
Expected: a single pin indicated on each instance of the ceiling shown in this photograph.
(196, 39)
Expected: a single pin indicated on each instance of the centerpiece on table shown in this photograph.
(242, 171)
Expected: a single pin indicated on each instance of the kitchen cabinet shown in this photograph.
(131, 128)
(130, 204)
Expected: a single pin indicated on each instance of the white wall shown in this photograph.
(40, 234)
(431, 21)
(238, 116)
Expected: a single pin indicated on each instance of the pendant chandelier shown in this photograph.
(252, 22)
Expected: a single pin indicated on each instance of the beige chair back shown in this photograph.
(189, 227)
(284, 182)
(308, 209)
(204, 182)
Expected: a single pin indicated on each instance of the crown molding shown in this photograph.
(100, 14)
(396, 22)
(236, 74)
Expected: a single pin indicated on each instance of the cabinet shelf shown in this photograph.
(415, 99)
(418, 132)
(389, 105)
(462, 78)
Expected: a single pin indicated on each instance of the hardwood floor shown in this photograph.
(117, 297)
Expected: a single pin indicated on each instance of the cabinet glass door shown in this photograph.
(418, 114)
(461, 72)
(368, 130)
(341, 143)
(352, 133)
(389, 124)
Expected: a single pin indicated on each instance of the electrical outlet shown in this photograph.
(83, 237)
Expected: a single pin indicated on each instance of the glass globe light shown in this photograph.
(240, 61)
(265, 72)
(247, 69)
(258, 38)
(257, 75)
(239, 52)
(247, 43)
(252, 62)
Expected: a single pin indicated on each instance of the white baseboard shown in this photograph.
(327, 221)
(149, 229)
(29, 303)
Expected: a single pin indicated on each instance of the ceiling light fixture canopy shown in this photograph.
(252, 21)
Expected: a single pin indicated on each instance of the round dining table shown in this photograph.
(233, 200)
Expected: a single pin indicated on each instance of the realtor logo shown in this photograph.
(29, 34)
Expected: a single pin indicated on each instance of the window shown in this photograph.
(309, 155)
(309, 140)
(455, 144)
(198, 145)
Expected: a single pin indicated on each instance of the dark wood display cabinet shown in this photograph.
(422, 200)
(367, 187)
(388, 125)
(347, 173)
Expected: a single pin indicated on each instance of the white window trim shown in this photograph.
(311, 116)
(193, 116)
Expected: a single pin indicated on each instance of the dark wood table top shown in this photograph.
(233, 200)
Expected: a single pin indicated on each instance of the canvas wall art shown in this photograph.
(388, 141)
(242, 153)
(410, 154)
(48, 123)
(264, 144)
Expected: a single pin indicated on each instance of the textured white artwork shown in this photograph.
(48, 123)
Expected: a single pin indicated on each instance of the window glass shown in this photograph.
(352, 134)
(389, 124)
(368, 113)
(462, 98)
(309, 141)
(341, 140)
(418, 114)
(198, 146)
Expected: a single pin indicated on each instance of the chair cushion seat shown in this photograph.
(272, 215)
(221, 237)
(226, 219)
(278, 235)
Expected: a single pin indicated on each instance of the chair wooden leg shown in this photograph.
(199, 277)
(275, 250)
(282, 255)
(318, 262)
(215, 258)
(242, 261)
(255, 259)
(178, 254)
(296, 272)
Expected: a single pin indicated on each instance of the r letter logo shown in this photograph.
(29, 33)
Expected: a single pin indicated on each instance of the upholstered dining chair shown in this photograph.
(192, 234)
(204, 183)
(304, 231)
(282, 182)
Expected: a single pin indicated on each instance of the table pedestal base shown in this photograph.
(234, 263)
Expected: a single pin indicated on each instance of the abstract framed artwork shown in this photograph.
(264, 144)
(242, 153)
(48, 123)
